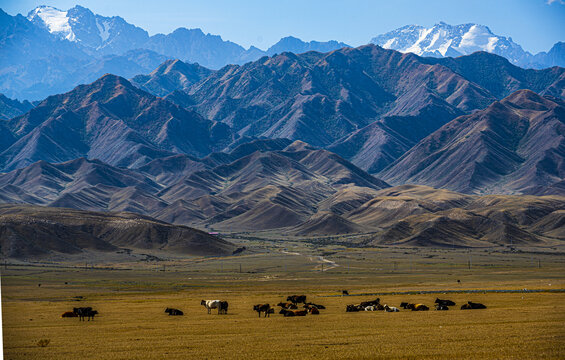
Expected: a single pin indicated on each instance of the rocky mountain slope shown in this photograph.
(110, 120)
(275, 181)
(31, 232)
(516, 145)
(10, 108)
(422, 216)
(368, 104)
(292, 189)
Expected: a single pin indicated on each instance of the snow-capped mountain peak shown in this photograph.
(55, 20)
(443, 40)
(93, 31)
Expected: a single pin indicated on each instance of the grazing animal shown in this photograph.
(173, 312)
(263, 308)
(418, 307)
(288, 305)
(404, 305)
(471, 305)
(90, 314)
(67, 314)
(441, 307)
(390, 308)
(369, 308)
(211, 304)
(270, 311)
(444, 302)
(82, 312)
(223, 309)
(288, 313)
(297, 299)
(344, 292)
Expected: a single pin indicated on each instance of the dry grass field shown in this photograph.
(131, 298)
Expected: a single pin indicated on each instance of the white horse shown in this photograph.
(391, 308)
(211, 304)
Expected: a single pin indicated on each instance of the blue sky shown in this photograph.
(534, 24)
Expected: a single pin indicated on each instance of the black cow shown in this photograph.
(404, 305)
(81, 312)
(174, 312)
(223, 308)
(441, 307)
(85, 312)
(353, 308)
(263, 308)
(90, 314)
(375, 302)
(418, 307)
(296, 299)
(471, 305)
(310, 305)
(344, 292)
(444, 302)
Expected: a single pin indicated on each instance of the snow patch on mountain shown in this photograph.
(103, 28)
(55, 20)
(450, 40)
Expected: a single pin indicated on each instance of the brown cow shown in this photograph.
(313, 311)
(418, 307)
(287, 305)
(288, 313)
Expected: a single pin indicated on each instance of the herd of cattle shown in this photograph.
(295, 305)
(81, 313)
(440, 304)
(291, 307)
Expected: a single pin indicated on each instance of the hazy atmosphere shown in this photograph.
(282, 180)
(536, 24)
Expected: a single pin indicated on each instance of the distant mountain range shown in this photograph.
(370, 105)
(262, 184)
(344, 141)
(113, 121)
(517, 143)
(444, 40)
(11, 108)
(265, 185)
(52, 51)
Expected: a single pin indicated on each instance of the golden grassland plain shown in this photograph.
(131, 298)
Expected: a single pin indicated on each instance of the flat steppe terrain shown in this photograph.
(131, 297)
